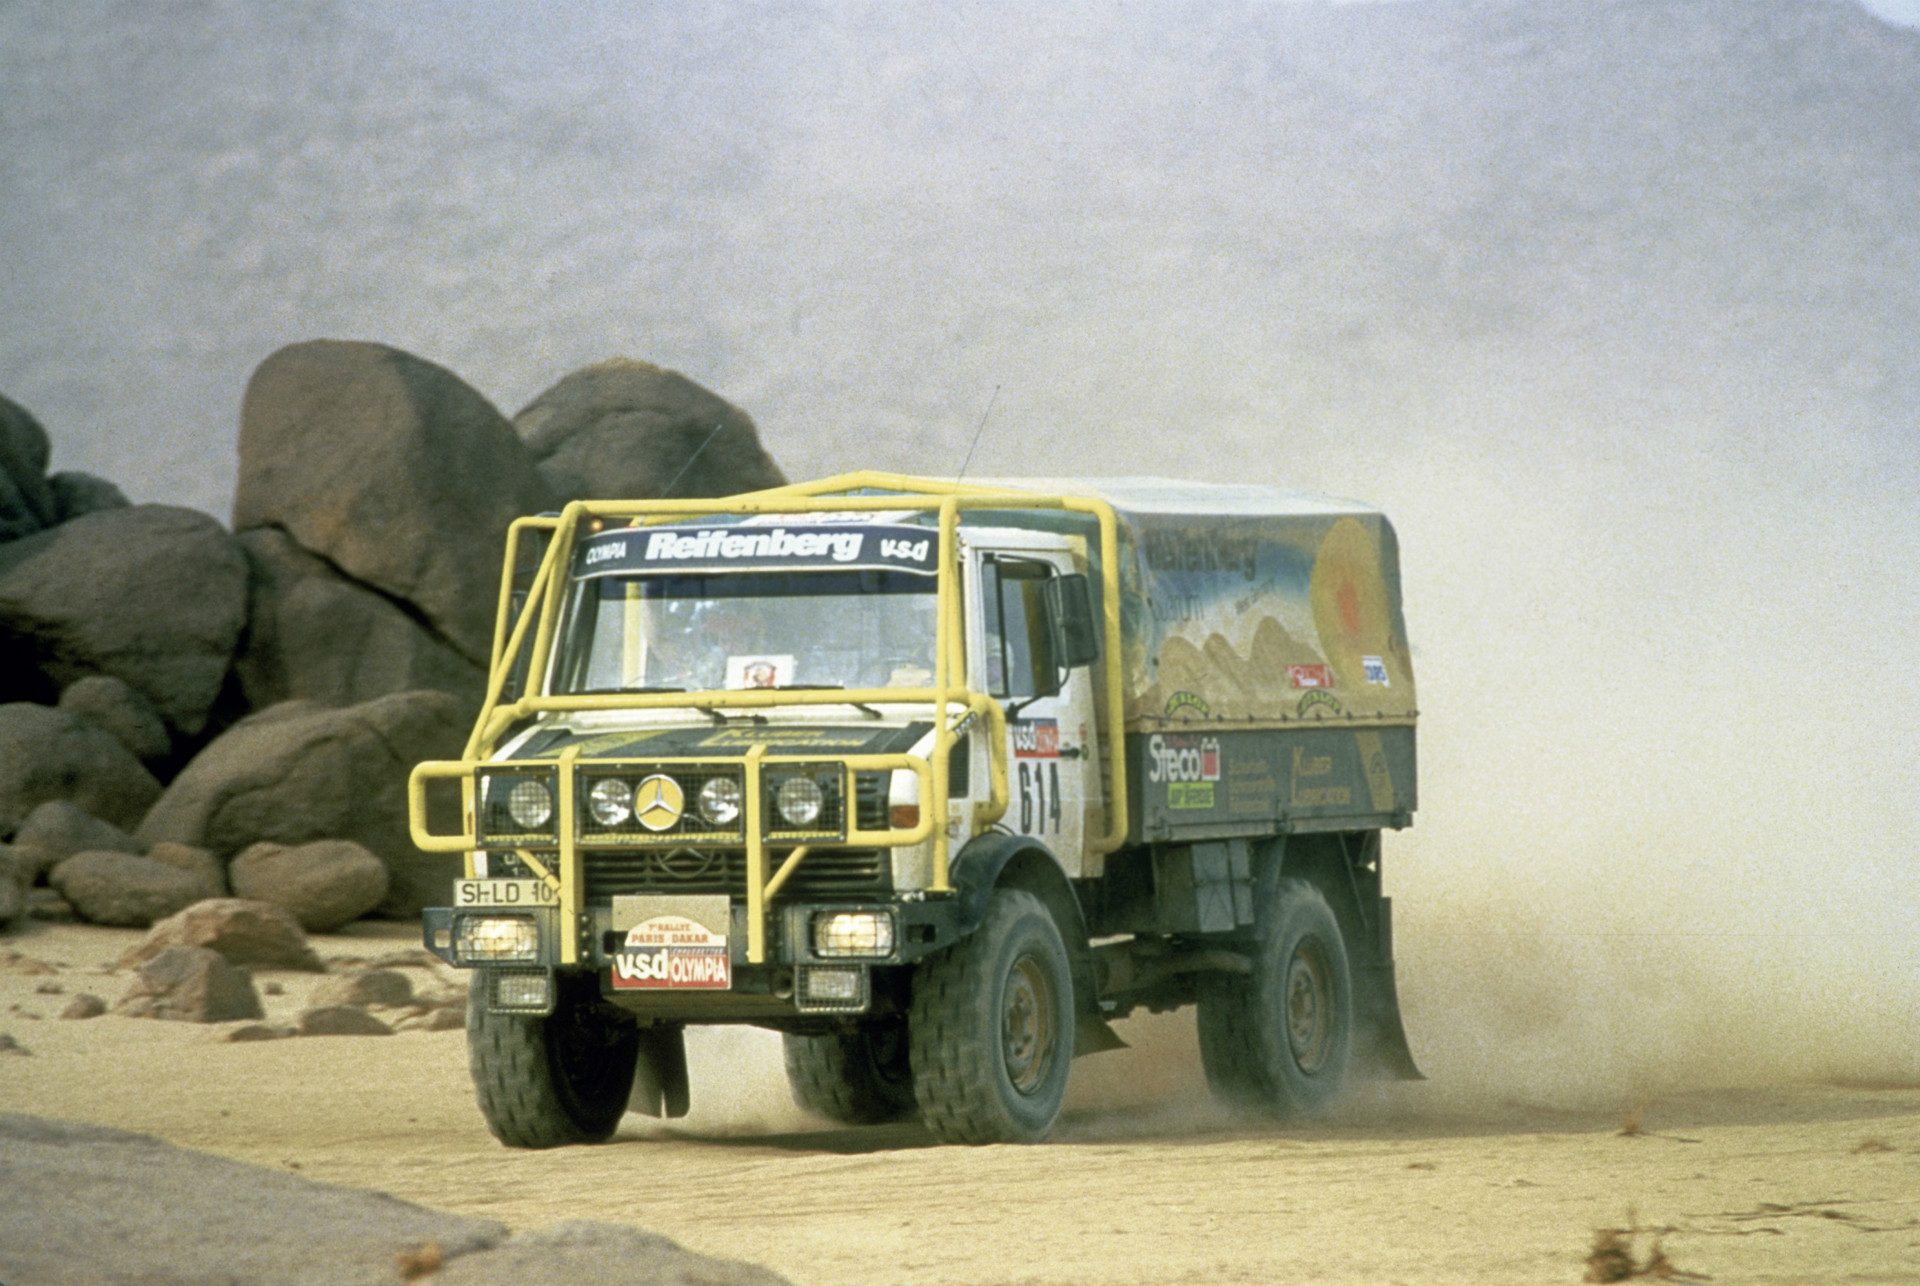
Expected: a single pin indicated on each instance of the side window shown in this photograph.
(1020, 660)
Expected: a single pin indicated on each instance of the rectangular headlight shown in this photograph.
(860, 935)
(488, 939)
(832, 986)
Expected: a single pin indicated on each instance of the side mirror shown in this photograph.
(1070, 615)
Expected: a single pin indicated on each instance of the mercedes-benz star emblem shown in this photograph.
(658, 802)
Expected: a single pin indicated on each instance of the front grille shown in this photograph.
(825, 873)
(870, 800)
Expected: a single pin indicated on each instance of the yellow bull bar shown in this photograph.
(956, 705)
(566, 878)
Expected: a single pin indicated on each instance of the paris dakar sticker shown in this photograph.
(672, 952)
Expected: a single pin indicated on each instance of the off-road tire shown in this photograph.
(1277, 1040)
(543, 1082)
(862, 1077)
(990, 1032)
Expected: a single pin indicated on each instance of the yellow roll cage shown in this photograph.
(957, 704)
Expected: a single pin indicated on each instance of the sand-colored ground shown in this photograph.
(1146, 1182)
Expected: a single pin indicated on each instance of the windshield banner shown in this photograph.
(625, 551)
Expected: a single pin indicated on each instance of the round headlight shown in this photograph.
(720, 801)
(800, 800)
(610, 801)
(531, 803)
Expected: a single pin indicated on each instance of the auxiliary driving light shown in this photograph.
(610, 801)
(530, 803)
(833, 985)
(521, 991)
(720, 801)
(854, 934)
(484, 939)
(800, 800)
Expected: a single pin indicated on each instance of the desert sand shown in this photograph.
(1145, 1181)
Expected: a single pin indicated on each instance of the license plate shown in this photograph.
(503, 893)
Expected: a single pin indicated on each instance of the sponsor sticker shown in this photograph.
(672, 953)
(1310, 676)
(1176, 759)
(492, 893)
(1316, 701)
(1376, 671)
(1036, 739)
(760, 671)
(1190, 794)
(804, 544)
(1188, 701)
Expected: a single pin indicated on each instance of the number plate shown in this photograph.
(503, 893)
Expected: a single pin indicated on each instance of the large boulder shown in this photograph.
(298, 772)
(627, 430)
(113, 705)
(246, 933)
(313, 634)
(127, 890)
(54, 754)
(194, 985)
(392, 469)
(81, 493)
(58, 829)
(26, 502)
(154, 595)
(322, 885)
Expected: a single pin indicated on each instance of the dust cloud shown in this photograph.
(1608, 306)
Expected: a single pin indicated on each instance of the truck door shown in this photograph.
(1052, 766)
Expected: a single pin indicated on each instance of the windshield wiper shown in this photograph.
(861, 706)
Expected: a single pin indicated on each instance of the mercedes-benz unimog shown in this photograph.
(935, 779)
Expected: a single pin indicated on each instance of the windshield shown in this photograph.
(699, 632)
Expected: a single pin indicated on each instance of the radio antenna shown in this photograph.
(976, 434)
(690, 459)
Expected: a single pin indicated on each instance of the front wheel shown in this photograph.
(991, 1029)
(1277, 1039)
(861, 1077)
(545, 1081)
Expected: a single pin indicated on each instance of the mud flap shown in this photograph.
(1379, 1038)
(660, 1076)
(1092, 1035)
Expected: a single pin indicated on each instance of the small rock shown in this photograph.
(122, 889)
(84, 1005)
(192, 984)
(273, 989)
(433, 1020)
(14, 962)
(325, 884)
(49, 989)
(341, 1020)
(8, 1045)
(384, 987)
(48, 905)
(193, 860)
(255, 1031)
(13, 886)
(248, 933)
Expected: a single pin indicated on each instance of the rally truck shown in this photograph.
(937, 780)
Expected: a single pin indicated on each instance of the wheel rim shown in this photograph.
(1027, 1026)
(1309, 1007)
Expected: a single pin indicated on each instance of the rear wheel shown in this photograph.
(1277, 1039)
(545, 1081)
(862, 1077)
(991, 1030)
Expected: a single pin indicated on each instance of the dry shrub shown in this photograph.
(1612, 1259)
(423, 1260)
